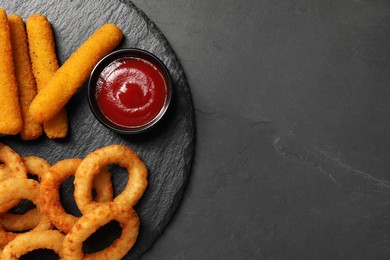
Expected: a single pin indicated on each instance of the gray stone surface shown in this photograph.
(292, 115)
(292, 133)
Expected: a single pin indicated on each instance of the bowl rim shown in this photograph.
(104, 62)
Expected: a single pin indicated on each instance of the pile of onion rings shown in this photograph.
(48, 225)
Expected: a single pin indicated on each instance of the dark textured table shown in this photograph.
(292, 108)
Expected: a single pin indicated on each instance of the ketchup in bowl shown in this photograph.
(129, 90)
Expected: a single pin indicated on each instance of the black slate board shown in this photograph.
(167, 150)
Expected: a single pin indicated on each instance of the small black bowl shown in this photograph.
(102, 64)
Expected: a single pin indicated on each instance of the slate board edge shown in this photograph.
(190, 150)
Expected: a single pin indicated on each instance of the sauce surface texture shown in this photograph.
(131, 92)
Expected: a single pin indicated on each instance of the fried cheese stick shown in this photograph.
(45, 64)
(74, 72)
(11, 118)
(24, 77)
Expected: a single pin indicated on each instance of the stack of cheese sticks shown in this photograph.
(33, 88)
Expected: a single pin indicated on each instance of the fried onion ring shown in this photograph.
(50, 195)
(112, 154)
(12, 166)
(92, 221)
(89, 174)
(22, 189)
(38, 239)
(103, 186)
(15, 222)
(36, 166)
(6, 237)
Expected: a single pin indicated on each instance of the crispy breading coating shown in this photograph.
(11, 118)
(37, 239)
(74, 72)
(45, 65)
(24, 77)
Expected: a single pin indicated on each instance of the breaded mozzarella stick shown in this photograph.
(24, 77)
(10, 116)
(74, 72)
(45, 64)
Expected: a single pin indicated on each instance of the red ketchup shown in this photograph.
(131, 92)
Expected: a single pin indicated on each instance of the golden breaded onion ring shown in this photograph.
(112, 154)
(36, 166)
(18, 188)
(16, 222)
(38, 239)
(103, 186)
(50, 195)
(6, 237)
(92, 221)
(12, 167)
(19, 223)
